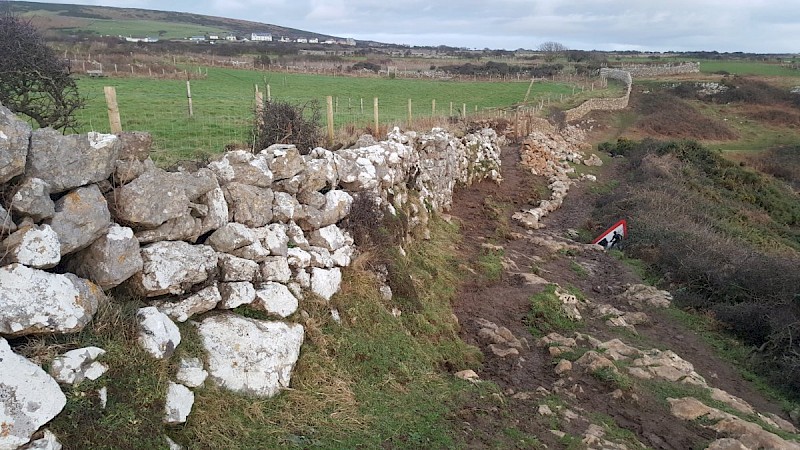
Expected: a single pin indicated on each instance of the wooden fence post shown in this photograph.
(362, 105)
(189, 97)
(409, 111)
(433, 107)
(330, 120)
(529, 90)
(464, 110)
(113, 109)
(375, 109)
(269, 94)
(451, 109)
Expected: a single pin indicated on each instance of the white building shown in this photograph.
(261, 37)
(302, 41)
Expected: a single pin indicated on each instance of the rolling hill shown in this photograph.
(103, 20)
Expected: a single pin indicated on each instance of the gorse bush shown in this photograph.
(280, 122)
(727, 237)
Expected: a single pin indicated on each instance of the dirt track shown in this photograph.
(507, 302)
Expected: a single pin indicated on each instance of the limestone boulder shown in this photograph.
(33, 301)
(230, 237)
(67, 162)
(128, 170)
(32, 199)
(331, 238)
(285, 207)
(248, 205)
(184, 228)
(298, 258)
(203, 301)
(285, 161)
(320, 171)
(275, 298)
(337, 207)
(250, 356)
(274, 238)
(15, 135)
(191, 373)
(178, 404)
(133, 203)
(233, 268)
(326, 282)
(276, 268)
(235, 294)
(243, 167)
(158, 335)
(29, 398)
(48, 441)
(81, 217)
(217, 210)
(136, 145)
(172, 267)
(343, 256)
(255, 252)
(33, 246)
(77, 365)
(109, 260)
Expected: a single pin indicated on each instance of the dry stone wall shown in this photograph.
(84, 214)
(604, 104)
(647, 71)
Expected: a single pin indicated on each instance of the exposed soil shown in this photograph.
(484, 211)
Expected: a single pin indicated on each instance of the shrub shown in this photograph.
(34, 81)
(281, 122)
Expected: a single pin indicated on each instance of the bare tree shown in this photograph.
(34, 81)
(552, 49)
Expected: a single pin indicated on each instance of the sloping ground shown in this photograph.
(602, 401)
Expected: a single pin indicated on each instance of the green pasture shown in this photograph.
(224, 100)
(748, 68)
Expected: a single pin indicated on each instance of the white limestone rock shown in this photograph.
(191, 372)
(109, 260)
(298, 258)
(285, 207)
(171, 267)
(296, 235)
(178, 404)
(32, 199)
(285, 160)
(235, 294)
(343, 257)
(248, 205)
(33, 301)
(274, 238)
(230, 237)
(15, 137)
(48, 441)
(330, 237)
(326, 282)
(243, 167)
(233, 268)
(29, 398)
(203, 301)
(77, 365)
(276, 268)
(250, 356)
(320, 257)
(302, 278)
(34, 246)
(275, 298)
(81, 217)
(158, 335)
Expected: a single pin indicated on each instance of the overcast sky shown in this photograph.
(764, 26)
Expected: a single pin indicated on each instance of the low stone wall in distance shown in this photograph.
(603, 104)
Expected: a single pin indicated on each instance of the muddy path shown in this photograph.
(637, 416)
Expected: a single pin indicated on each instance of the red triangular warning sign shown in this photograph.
(613, 235)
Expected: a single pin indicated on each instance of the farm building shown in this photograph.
(261, 37)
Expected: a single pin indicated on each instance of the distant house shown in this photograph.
(302, 40)
(213, 37)
(197, 39)
(285, 39)
(313, 41)
(261, 37)
(230, 37)
(147, 39)
(329, 42)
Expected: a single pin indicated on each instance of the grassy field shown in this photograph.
(223, 103)
(748, 68)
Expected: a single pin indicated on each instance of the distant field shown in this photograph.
(748, 68)
(223, 103)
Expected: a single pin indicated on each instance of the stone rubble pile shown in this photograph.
(87, 213)
(548, 153)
